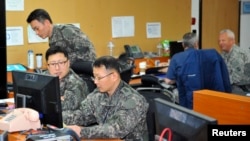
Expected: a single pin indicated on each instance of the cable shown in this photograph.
(169, 134)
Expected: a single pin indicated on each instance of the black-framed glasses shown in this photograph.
(60, 64)
(100, 78)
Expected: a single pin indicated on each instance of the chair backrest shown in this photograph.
(151, 88)
(127, 67)
(83, 67)
(85, 70)
(150, 95)
(149, 80)
(126, 75)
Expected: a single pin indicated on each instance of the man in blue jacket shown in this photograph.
(196, 69)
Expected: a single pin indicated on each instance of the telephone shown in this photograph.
(133, 51)
(20, 119)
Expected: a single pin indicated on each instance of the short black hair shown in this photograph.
(108, 62)
(40, 15)
(56, 49)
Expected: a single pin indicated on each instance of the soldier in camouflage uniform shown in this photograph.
(235, 59)
(114, 109)
(68, 36)
(73, 89)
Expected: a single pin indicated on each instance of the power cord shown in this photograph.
(164, 132)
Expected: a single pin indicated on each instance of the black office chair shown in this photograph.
(85, 70)
(127, 66)
(152, 88)
(152, 83)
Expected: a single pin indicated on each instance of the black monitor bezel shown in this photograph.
(175, 47)
(48, 105)
(199, 135)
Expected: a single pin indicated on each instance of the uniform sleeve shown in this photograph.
(80, 47)
(82, 116)
(73, 97)
(128, 118)
(74, 94)
(236, 68)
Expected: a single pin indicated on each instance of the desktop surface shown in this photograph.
(20, 136)
(136, 78)
(149, 61)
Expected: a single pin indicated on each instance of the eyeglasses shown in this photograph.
(100, 78)
(60, 64)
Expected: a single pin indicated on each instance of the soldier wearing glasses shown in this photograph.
(72, 88)
(114, 109)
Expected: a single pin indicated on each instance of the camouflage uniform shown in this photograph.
(123, 115)
(75, 41)
(235, 61)
(74, 90)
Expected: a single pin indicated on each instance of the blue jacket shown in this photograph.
(196, 70)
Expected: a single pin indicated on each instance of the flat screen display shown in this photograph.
(40, 92)
(186, 124)
(175, 47)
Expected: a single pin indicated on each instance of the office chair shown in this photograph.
(152, 83)
(152, 88)
(85, 70)
(127, 66)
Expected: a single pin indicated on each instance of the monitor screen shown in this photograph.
(175, 47)
(186, 124)
(40, 92)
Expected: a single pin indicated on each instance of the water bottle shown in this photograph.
(111, 46)
(39, 60)
(30, 59)
(159, 48)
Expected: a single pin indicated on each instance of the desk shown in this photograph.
(227, 108)
(16, 136)
(150, 62)
(9, 80)
(9, 77)
(21, 137)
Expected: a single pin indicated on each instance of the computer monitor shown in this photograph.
(186, 124)
(175, 47)
(40, 92)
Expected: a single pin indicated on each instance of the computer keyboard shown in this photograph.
(3, 104)
(165, 85)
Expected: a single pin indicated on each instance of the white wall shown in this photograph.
(244, 29)
(195, 14)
